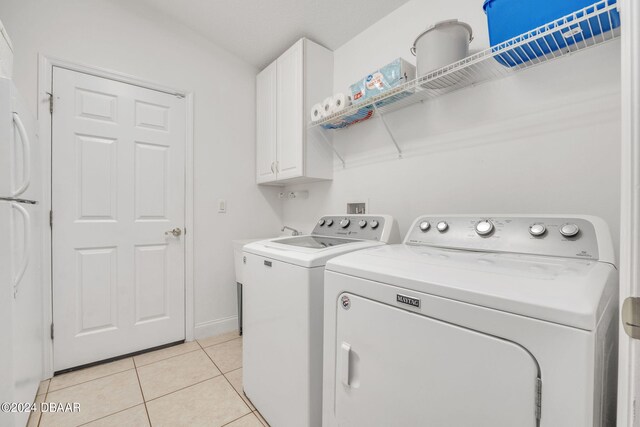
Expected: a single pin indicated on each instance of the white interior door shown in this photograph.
(399, 368)
(118, 184)
(290, 112)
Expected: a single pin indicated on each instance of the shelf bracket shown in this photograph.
(386, 126)
(330, 144)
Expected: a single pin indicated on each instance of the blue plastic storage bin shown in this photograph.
(511, 18)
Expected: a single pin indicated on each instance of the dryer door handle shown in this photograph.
(345, 360)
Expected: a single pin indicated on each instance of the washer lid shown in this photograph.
(571, 292)
(314, 242)
(308, 250)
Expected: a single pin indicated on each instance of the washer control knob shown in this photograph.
(345, 223)
(425, 226)
(362, 223)
(329, 222)
(321, 222)
(569, 230)
(537, 230)
(484, 227)
(442, 226)
(374, 224)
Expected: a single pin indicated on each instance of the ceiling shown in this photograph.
(258, 31)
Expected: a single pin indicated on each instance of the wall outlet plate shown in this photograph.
(356, 208)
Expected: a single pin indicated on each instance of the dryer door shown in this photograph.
(397, 367)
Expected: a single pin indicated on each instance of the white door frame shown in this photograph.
(45, 82)
(629, 205)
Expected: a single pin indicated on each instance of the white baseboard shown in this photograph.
(216, 327)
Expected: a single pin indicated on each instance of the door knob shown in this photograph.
(176, 232)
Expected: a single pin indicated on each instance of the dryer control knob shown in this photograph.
(569, 230)
(329, 222)
(362, 223)
(442, 226)
(484, 227)
(537, 230)
(345, 223)
(425, 226)
(321, 222)
(374, 224)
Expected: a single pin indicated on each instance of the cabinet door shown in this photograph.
(290, 112)
(266, 125)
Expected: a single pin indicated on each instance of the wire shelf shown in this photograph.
(588, 27)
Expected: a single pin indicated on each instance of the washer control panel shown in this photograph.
(364, 227)
(551, 236)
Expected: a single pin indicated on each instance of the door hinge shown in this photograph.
(50, 102)
(52, 331)
(631, 317)
(538, 398)
(50, 219)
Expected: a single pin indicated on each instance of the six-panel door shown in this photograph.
(118, 185)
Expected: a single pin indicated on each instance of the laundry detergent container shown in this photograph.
(509, 19)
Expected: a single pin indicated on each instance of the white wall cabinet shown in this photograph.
(266, 124)
(286, 151)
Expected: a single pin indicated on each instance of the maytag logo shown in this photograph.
(403, 299)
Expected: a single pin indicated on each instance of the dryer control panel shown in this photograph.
(568, 237)
(362, 227)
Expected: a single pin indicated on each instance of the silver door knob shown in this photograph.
(176, 232)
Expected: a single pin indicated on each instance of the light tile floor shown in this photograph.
(193, 384)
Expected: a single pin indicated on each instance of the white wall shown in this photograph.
(546, 140)
(120, 36)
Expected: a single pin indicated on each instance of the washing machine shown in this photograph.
(283, 313)
(484, 321)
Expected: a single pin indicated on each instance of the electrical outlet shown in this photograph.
(222, 206)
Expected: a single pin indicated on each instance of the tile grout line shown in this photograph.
(114, 413)
(240, 417)
(229, 382)
(108, 415)
(85, 382)
(135, 366)
(221, 342)
(183, 388)
(144, 401)
(119, 372)
(44, 399)
(88, 381)
(167, 358)
(39, 412)
(227, 379)
(260, 418)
